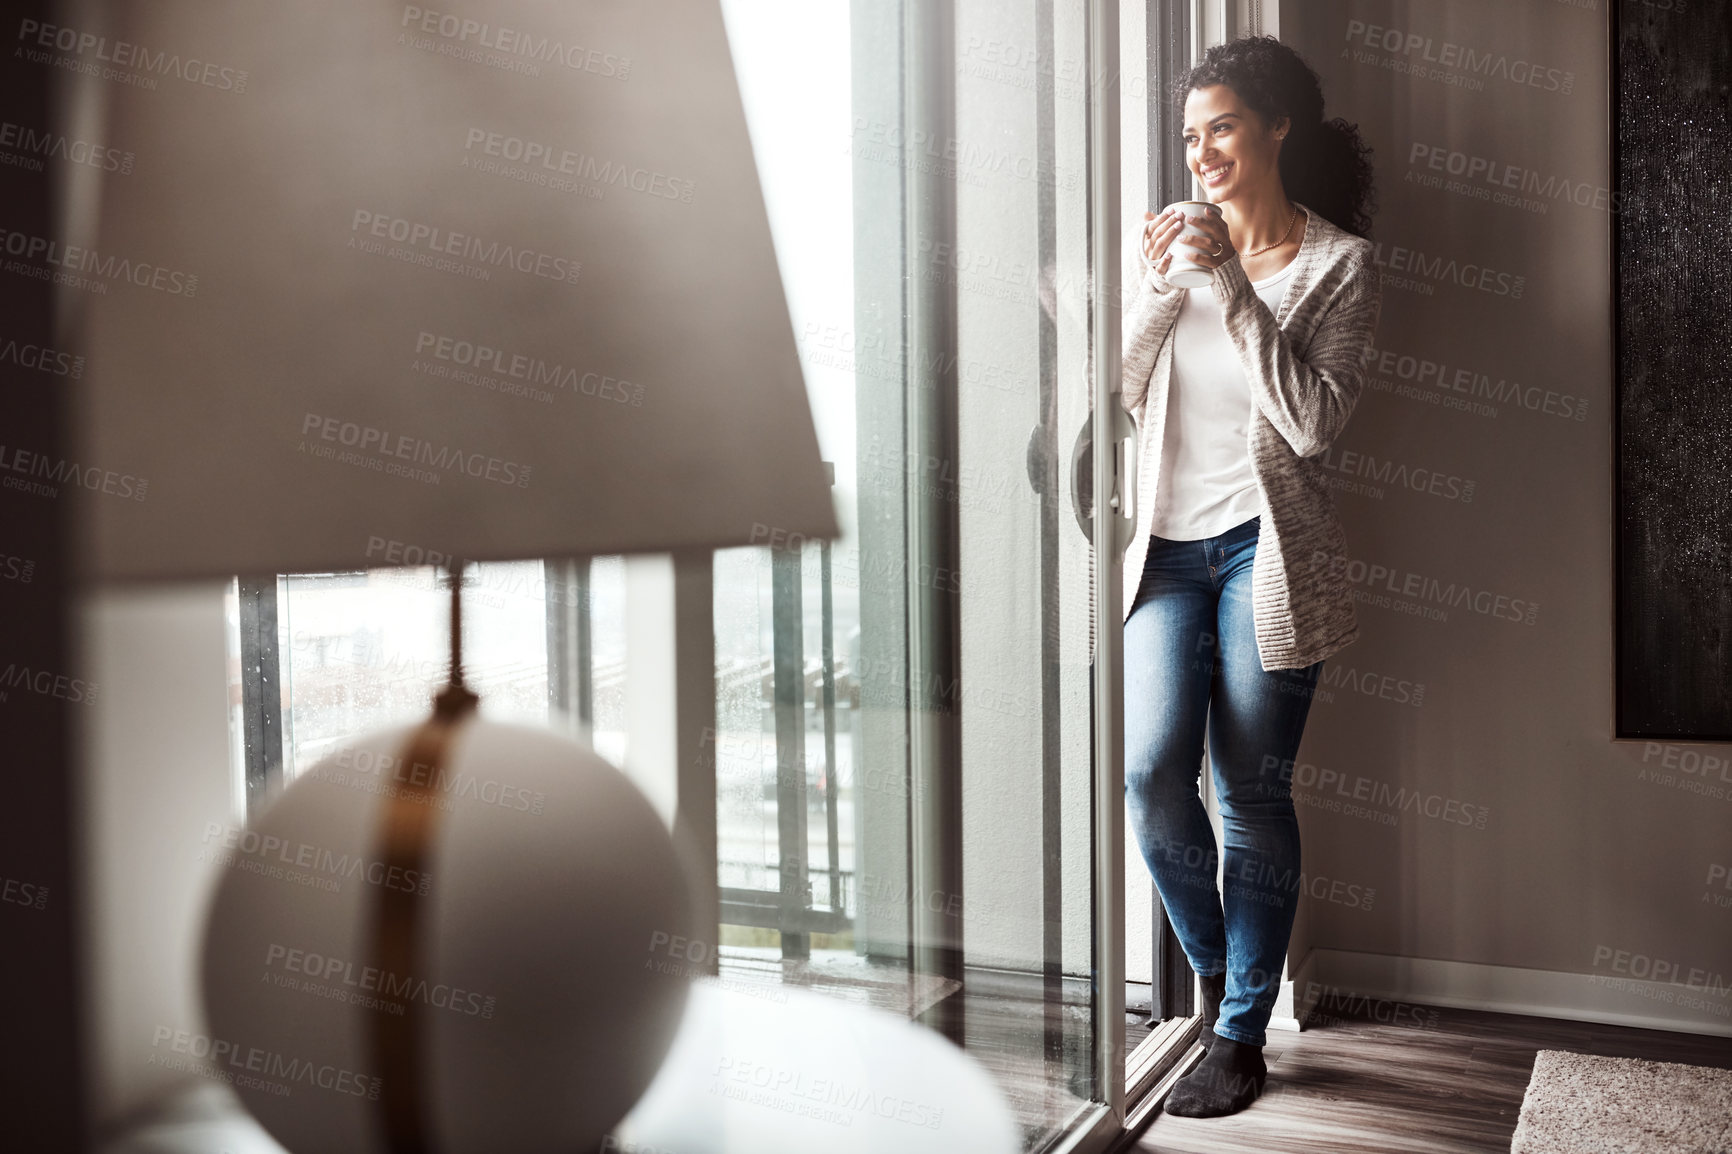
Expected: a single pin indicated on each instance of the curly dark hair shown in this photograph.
(1324, 163)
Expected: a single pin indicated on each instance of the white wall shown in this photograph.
(1594, 857)
(154, 756)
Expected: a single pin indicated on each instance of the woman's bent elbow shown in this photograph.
(1317, 438)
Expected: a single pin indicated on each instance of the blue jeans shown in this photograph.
(1190, 662)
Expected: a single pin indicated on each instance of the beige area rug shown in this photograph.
(1585, 1104)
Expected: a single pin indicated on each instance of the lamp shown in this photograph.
(491, 985)
(496, 283)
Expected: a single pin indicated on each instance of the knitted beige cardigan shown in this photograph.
(1305, 366)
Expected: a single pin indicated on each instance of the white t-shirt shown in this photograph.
(1206, 484)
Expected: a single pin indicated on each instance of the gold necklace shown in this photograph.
(1290, 219)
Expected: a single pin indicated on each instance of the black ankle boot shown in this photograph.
(1227, 1080)
(1214, 989)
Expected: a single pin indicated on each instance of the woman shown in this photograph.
(1234, 583)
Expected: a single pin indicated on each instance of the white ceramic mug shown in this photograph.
(1184, 272)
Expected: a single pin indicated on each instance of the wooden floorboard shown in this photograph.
(1440, 1082)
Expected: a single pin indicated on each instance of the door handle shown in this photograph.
(1122, 508)
(1124, 479)
(1082, 489)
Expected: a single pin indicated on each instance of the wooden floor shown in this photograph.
(1421, 1079)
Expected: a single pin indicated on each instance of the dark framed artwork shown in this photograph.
(1672, 300)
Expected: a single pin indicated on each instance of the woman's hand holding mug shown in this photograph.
(1200, 228)
(1159, 232)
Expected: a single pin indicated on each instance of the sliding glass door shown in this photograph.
(917, 725)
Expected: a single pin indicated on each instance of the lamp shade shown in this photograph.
(377, 280)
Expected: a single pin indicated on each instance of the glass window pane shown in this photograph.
(607, 640)
(364, 651)
(932, 233)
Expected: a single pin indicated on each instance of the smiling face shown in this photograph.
(1230, 148)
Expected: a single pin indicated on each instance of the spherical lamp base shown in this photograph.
(456, 950)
